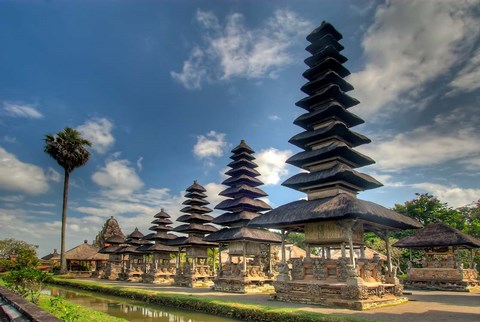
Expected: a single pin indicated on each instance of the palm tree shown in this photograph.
(67, 147)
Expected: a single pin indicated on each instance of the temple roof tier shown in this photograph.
(110, 249)
(332, 130)
(242, 179)
(243, 190)
(195, 218)
(162, 214)
(305, 181)
(244, 233)
(194, 228)
(332, 151)
(325, 95)
(244, 203)
(195, 202)
(234, 218)
(327, 51)
(162, 221)
(242, 155)
(196, 187)
(329, 111)
(342, 206)
(327, 64)
(243, 170)
(195, 194)
(242, 147)
(323, 42)
(191, 241)
(329, 77)
(241, 163)
(160, 228)
(136, 234)
(196, 209)
(160, 236)
(115, 240)
(157, 248)
(324, 29)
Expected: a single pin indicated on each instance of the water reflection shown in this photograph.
(134, 311)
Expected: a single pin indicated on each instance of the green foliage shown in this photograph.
(65, 311)
(28, 283)
(22, 254)
(298, 239)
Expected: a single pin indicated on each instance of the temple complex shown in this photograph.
(114, 266)
(195, 270)
(133, 258)
(160, 269)
(441, 267)
(333, 217)
(249, 267)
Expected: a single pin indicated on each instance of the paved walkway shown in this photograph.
(424, 306)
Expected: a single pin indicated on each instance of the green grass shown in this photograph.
(235, 310)
(85, 314)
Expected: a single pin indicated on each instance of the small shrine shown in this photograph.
(333, 217)
(133, 258)
(195, 270)
(114, 265)
(441, 268)
(249, 265)
(160, 269)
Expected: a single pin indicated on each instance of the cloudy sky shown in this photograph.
(165, 89)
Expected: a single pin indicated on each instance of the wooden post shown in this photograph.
(244, 256)
(389, 255)
(471, 258)
(344, 253)
(220, 258)
(307, 248)
(350, 243)
(270, 269)
(284, 261)
(362, 251)
(329, 255)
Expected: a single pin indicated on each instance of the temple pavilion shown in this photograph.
(114, 266)
(161, 269)
(195, 270)
(441, 267)
(249, 267)
(333, 217)
(133, 258)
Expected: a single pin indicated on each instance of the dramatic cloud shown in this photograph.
(271, 165)
(468, 78)
(451, 137)
(99, 133)
(233, 50)
(213, 190)
(411, 43)
(453, 195)
(16, 175)
(118, 177)
(210, 145)
(21, 110)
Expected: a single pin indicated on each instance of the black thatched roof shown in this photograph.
(342, 206)
(196, 209)
(242, 179)
(242, 147)
(244, 233)
(229, 218)
(436, 235)
(193, 228)
(162, 214)
(110, 249)
(129, 250)
(243, 189)
(327, 111)
(195, 201)
(162, 221)
(196, 187)
(191, 241)
(243, 203)
(321, 31)
(195, 218)
(160, 235)
(115, 240)
(323, 42)
(136, 234)
(328, 51)
(158, 248)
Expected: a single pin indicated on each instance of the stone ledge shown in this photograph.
(26, 308)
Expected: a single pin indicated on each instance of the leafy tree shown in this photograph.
(298, 239)
(27, 282)
(68, 148)
(471, 216)
(24, 253)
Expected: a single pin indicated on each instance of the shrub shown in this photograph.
(28, 283)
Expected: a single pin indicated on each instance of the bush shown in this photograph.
(28, 283)
(66, 311)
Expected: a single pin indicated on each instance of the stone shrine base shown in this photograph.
(243, 285)
(193, 281)
(443, 279)
(362, 297)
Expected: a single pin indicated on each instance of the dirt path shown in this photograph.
(424, 306)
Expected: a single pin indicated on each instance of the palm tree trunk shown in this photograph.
(63, 260)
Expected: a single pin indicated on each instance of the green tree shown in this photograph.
(24, 253)
(68, 148)
(471, 219)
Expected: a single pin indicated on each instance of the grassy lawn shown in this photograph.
(235, 310)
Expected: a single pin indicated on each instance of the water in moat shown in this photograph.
(130, 310)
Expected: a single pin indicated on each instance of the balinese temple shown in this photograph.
(114, 266)
(133, 259)
(161, 269)
(249, 267)
(441, 267)
(333, 217)
(195, 271)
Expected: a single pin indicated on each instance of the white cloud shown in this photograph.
(210, 145)
(409, 44)
(118, 178)
(139, 164)
(16, 175)
(21, 110)
(213, 190)
(274, 117)
(451, 137)
(453, 195)
(99, 132)
(53, 175)
(234, 50)
(271, 165)
(468, 78)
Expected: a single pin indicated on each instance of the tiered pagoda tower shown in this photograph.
(135, 263)
(114, 266)
(332, 217)
(160, 270)
(195, 271)
(248, 268)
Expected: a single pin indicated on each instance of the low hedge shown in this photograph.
(235, 310)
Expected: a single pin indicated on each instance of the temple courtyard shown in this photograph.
(422, 305)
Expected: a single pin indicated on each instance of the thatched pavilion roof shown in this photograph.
(341, 206)
(244, 233)
(436, 235)
(52, 256)
(85, 252)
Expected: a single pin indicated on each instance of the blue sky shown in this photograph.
(165, 89)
